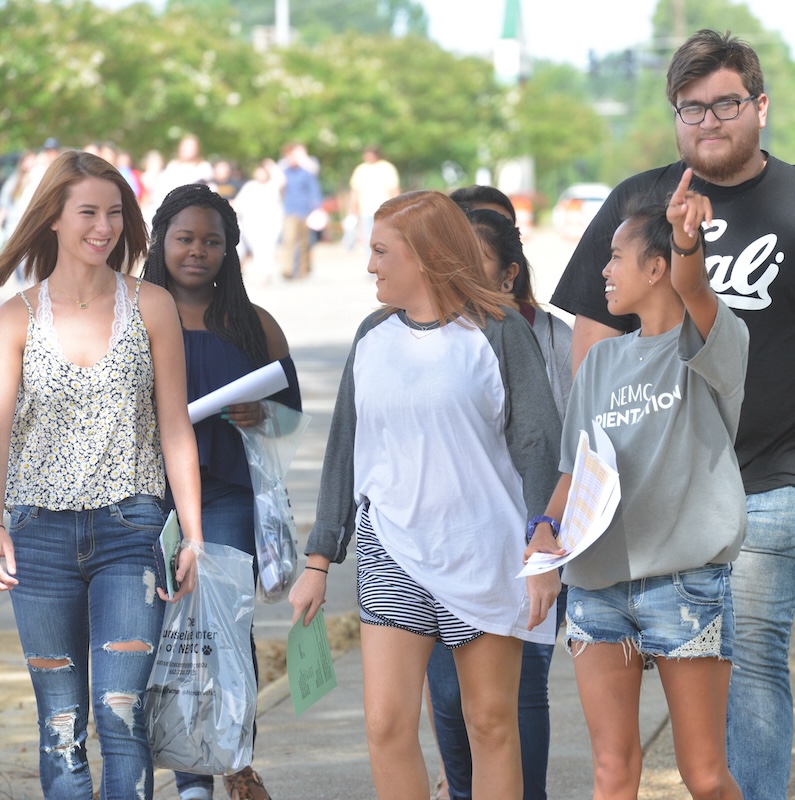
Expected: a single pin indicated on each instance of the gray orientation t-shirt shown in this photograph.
(670, 405)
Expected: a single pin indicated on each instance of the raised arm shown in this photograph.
(686, 211)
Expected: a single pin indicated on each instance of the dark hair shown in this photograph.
(468, 196)
(650, 226)
(230, 314)
(35, 243)
(504, 240)
(706, 52)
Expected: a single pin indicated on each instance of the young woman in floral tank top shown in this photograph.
(93, 401)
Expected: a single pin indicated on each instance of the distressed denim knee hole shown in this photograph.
(128, 647)
(62, 726)
(49, 664)
(123, 705)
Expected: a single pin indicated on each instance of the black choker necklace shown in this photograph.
(424, 328)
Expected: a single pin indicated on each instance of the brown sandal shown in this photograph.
(245, 785)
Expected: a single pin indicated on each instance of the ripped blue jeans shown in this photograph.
(87, 584)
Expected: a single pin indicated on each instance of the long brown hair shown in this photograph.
(35, 243)
(439, 235)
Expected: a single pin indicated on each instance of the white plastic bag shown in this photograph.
(201, 697)
(270, 447)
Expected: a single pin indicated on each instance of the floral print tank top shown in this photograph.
(85, 437)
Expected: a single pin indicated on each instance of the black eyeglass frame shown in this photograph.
(711, 107)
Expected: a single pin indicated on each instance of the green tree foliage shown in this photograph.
(552, 119)
(141, 78)
(316, 20)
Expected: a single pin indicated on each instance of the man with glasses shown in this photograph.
(716, 88)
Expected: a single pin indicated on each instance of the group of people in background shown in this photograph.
(280, 202)
(452, 478)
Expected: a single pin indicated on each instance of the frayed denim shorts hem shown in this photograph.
(686, 614)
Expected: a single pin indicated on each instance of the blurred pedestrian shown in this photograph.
(372, 183)
(259, 210)
(226, 179)
(151, 167)
(15, 195)
(301, 195)
(188, 166)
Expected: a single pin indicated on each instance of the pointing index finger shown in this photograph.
(680, 194)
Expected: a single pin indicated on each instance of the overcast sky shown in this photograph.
(604, 26)
(600, 25)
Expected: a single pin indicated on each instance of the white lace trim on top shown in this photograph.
(122, 313)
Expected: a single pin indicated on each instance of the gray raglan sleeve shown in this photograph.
(335, 519)
(532, 422)
(554, 338)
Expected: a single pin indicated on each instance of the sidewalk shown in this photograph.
(323, 753)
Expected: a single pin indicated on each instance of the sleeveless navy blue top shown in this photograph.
(211, 363)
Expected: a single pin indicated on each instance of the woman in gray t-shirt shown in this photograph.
(654, 588)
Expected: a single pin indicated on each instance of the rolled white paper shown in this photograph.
(261, 383)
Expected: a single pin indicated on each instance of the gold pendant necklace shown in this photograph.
(80, 303)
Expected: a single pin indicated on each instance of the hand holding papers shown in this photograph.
(590, 505)
(261, 383)
(166, 550)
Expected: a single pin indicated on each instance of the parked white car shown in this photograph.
(577, 206)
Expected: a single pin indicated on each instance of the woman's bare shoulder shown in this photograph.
(14, 317)
(274, 335)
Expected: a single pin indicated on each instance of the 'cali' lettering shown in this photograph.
(744, 283)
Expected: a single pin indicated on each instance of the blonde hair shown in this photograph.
(439, 235)
(34, 241)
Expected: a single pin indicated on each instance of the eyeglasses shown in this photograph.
(723, 110)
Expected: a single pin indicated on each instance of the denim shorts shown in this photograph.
(682, 615)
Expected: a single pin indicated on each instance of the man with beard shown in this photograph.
(716, 88)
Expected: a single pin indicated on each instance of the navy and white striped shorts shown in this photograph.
(389, 596)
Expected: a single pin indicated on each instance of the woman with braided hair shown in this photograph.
(193, 255)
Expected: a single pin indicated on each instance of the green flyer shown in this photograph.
(310, 669)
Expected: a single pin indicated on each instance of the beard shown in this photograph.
(720, 168)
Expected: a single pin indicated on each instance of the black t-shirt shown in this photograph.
(751, 263)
